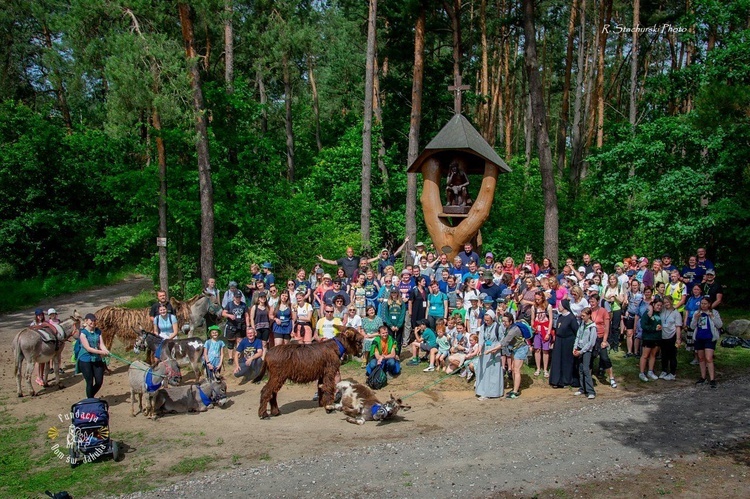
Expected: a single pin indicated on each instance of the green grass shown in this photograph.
(143, 299)
(16, 294)
(30, 468)
(192, 465)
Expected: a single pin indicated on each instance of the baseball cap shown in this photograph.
(90, 317)
(506, 292)
(620, 264)
(709, 271)
(51, 311)
(214, 328)
(238, 294)
(38, 311)
(643, 259)
(489, 255)
(581, 269)
(405, 271)
(232, 284)
(500, 300)
(319, 270)
(572, 278)
(666, 255)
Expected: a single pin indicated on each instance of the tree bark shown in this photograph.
(606, 14)
(577, 132)
(633, 108)
(288, 119)
(263, 102)
(539, 117)
(377, 110)
(228, 46)
(161, 156)
(367, 127)
(562, 130)
(315, 103)
(414, 125)
(454, 12)
(201, 144)
(58, 85)
(484, 106)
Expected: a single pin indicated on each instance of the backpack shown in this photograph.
(526, 331)
(732, 342)
(377, 378)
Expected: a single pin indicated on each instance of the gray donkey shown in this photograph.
(146, 380)
(191, 398)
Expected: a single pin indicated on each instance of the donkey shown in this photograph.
(40, 345)
(305, 363)
(191, 398)
(184, 351)
(203, 312)
(144, 379)
(360, 404)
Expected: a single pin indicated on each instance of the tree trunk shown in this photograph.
(414, 124)
(288, 119)
(162, 160)
(484, 106)
(562, 130)
(316, 108)
(367, 127)
(228, 46)
(633, 108)
(201, 144)
(606, 14)
(454, 12)
(58, 85)
(577, 132)
(539, 117)
(377, 110)
(263, 102)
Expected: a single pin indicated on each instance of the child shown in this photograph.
(425, 342)
(213, 353)
(439, 354)
(474, 350)
(459, 340)
(450, 327)
(459, 310)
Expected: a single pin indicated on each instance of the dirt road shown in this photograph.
(495, 454)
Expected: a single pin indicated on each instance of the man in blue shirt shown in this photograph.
(468, 255)
(268, 277)
(248, 357)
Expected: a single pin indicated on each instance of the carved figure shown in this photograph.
(457, 183)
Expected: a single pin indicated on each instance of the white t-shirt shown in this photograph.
(472, 315)
(304, 312)
(355, 322)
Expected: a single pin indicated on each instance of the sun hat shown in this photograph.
(51, 311)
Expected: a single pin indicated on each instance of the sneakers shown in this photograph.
(428, 369)
(482, 398)
(414, 361)
(701, 381)
(694, 362)
(579, 392)
(670, 377)
(513, 395)
(663, 375)
(643, 377)
(591, 396)
(463, 373)
(713, 383)
(469, 376)
(612, 383)
(652, 376)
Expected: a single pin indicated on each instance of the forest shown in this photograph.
(251, 131)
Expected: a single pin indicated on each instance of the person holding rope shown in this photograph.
(90, 360)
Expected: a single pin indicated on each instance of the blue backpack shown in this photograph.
(526, 331)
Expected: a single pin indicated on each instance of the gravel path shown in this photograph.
(502, 455)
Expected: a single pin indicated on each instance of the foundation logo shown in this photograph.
(81, 442)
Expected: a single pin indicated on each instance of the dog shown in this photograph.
(360, 404)
(191, 398)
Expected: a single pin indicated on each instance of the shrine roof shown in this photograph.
(459, 135)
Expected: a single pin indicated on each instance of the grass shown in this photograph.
(192, 465)
(143, 299)
(30, 468)
(17, 294)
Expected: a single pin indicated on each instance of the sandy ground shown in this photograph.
(447, 433)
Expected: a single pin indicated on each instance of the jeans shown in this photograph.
(669, 355)
(249, 372)
(398, 337)
(603, 354)
(390, 366)
(584, 374)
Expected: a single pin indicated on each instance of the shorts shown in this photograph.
(425, 347)
(232, 333)
(521, 352)
(705, 344)
(650, 343)
(540, 344)
(629, 321)
(282, 336)
(444, 352)
(263, 333)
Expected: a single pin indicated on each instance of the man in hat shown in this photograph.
(713, 289)
(331, 294)
(229, 295)
(386, 258)
(238, 318)
(268, 277)
(161, 300)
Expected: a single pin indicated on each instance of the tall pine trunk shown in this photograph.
(562, 130)
(539, 119)
(315, 103)
(577, 132)
(58, 86)
(201, 145)
(161, 156)
(607, 13)
(228, 46)
(414, 124)
(288, 118)
(367, 127)
(633, 108)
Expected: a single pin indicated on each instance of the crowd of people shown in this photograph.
(484, 318)
(479, 318)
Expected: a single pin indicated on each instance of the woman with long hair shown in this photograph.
(692, 305)
(357, 295)
(577, 301)
(546, 269)
(632, 305)
(260, 319)
(282, 320)
(541, 323)
(614, 297)
(302, 314)
(706, 323)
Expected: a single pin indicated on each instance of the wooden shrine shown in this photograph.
(456, 152)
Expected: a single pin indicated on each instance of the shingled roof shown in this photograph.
(459, 135)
